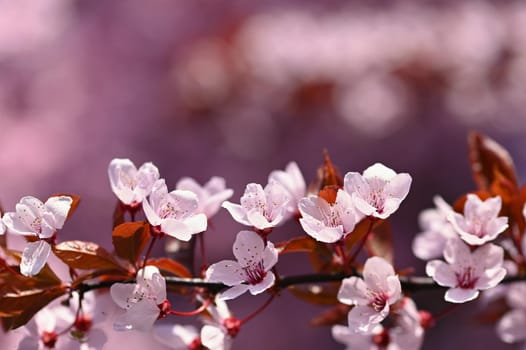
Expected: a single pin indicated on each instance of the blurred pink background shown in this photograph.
(238, 89)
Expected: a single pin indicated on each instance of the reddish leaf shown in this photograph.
(129, 240)
(297, 244)
(85, 255)
(327, 175)
(321, 294)
(329, 193)
(16, 309)
(45, 278)
(488, 158)
(74, 204)
(380, 242)
(359, 232)
(322, 259)
(335, 315)
(170, 266)
(458, 206)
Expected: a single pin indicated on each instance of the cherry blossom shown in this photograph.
(480, 223)
(40, 220)
(41, 332)
(379, 191)
(142, 301)
(372, 295)
(174, 213)
(511, 326)
(210, 196)
(328, 222)
(219, 331)
(251, 271)
(130, 185)
(437, 229)
(292, 180)
(177, 337)
(260, 208)
(405, 334)
(467, 272)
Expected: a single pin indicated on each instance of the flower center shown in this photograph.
(49, 339)
(382, 339)
(466, 280)
(232, 326)
(196, 344)
(378, 301)
(255, 273)
(36, 225)
(83, 323)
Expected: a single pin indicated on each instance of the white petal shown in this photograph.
(120, 292)
(353, 291)
(460, 295)
(59, 207)
(237, 212)
(248, 248)
(515, 296)
(186, 201)
(380, 171)
(150, 214)
(196, 223)
(34, 257)
(16, 226)
(362, 206)
(266, 283)
(228, 272)
(490, 278)
(375, 273)
(428, 245)
(270, 256)
(443, 273)
(177, 229)
(257, 219)
(118, 169)
(233, 292)
(399, 186)
(363, 319)
(176, 337)
(140, 316)
(213, 337)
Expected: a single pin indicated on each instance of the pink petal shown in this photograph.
(59, 207)
(375, 273)
(380, 171)
(228, 272)
(460, 295)
(399, 186)
(353, 291)
(237, 212)
(150, 214)
(511, 326)
(213, 337)
(175, 336)
(266, 283)
(257, 219)
(443, 273)
(248, 248)
(120, 293)
(140, 316)
(233, 292)
(363, 319)
(34, 257)
(270, 256)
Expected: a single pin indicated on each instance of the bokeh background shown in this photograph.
(238, 89)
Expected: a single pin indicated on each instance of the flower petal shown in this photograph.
(34, 257)
(270, 256)
(228, 272)
(213, 337)
(233, 292)
(140, 316)
(511, 326)
(248, 248)
(237, 212)
(59, 207)
(353, 291)
(460, 295)
(363, 319)
(267, 282)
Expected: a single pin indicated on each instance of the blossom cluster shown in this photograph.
(469, 247)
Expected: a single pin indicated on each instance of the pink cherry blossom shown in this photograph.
(40, 220)
(327, 222)
(379, 191)
(437, 229)
(174, 213)
(260, 208)
(42, 331)
(219, 330)
(372, 295)
(480, 223)
(210, 196)
(467, 272)
(251, 271)
(511, 326)
(130, 185)
(405, 334)
(141, 301)
(292, 180)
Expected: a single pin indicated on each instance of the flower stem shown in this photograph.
(258, 310)
(191, 313)
(446, 311)
(148, 252)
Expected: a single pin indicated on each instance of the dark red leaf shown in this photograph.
(380, 242)
(332, 316)
(85, 255)
(297, 244)
(321, 294)
(118, 214)
(170, 266)
(129, 240)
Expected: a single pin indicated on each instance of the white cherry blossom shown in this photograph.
(174, 213)
(219, 330)
(41, 332)
(260, 208)
(511, 326)
(437, 229)
(467, 272)
(379, 191)
(372, 295)
(40, 220)
(210, 196)
(480, 222)
(130, 185)
(142, 301)
(327, 222)
(251, 272)
(292, 180)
